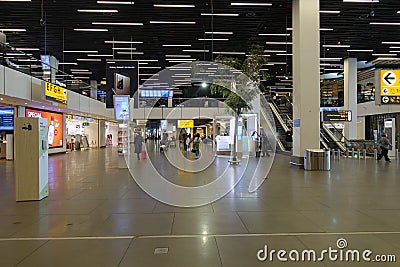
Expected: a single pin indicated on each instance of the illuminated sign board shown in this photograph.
(389, 86)
(338, 115)
(121, 107)
(55, 93)
(185, 123)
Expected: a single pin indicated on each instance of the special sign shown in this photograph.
(390, 86)
(56, 93)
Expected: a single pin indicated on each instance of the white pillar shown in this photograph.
(350, 96)
(306, 75)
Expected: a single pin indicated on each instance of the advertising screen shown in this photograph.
(6, 119)
(55, 122)
(122, 84)
(45, 62)
(121, 107)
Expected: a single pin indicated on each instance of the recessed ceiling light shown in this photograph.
(384, 55)
(98, 10)
(330, 59)
(78, 70)
(229, 53)
(215, 39)
(150, 67)
(275, 51)
(91, 30)
(385, 23)
(88, 59)
(124, 48)
(118, 23)
(360, 50)
(220, 14)
(274, 34)
(176, 45)
(394, 43)
(326, 29)
(219, 33)
(279, 43)
(67, 63)
(80, 51)
(13, 30)
(123, 42)
(250, 4)
(15, 0)
(196, 50)
(116, 2)
(99, 55)
(361, 1)
(171, 22)
(338, 46)
(329, 11)
(130, 53)
(177, 55)
(160, 5)
(27, 49)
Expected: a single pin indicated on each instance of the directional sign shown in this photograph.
(389, 78)
(390, 86)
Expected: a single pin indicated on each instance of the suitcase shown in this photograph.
(144, 154)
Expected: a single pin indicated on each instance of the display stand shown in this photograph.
(123, 139)
(31, 158)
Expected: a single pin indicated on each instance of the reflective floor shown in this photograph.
(96, 215)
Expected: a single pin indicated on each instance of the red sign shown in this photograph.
(55, 122)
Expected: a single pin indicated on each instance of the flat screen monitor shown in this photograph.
(6, 119)
(45, 62)
(122, 84)
(55, 122)
(121, 107)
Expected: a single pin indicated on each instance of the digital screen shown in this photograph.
(121, 107)
(156, 93)
(338, 115)
(122, 84)
(6, 119)
(45, 62)
(55, 123)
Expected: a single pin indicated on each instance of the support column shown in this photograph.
(350, 96)
(306, 78)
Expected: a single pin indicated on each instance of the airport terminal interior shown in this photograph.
(199, 133)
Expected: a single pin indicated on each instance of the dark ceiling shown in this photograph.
(54, 32)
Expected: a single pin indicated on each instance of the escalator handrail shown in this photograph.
(275, 109)
(334, 138)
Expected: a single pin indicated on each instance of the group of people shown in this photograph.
(192, 145)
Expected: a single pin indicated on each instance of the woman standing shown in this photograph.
(196, 145)
(385, 146)
(138, 140)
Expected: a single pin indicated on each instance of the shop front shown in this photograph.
(82, 132)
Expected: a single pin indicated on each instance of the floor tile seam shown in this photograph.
(126, 251)
(172, 224)
(32, 252)
(198, 236)
(218, 251)
(241, 220)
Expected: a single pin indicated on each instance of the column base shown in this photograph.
(297, 162)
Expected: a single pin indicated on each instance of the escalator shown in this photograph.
(282, 110)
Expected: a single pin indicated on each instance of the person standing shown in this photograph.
(138, 140)
(264, 144)
(196, 145)
(384, 144)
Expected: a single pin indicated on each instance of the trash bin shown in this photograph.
(317, 160)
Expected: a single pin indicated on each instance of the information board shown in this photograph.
(6, 119)
(337, 115)
(389, 86)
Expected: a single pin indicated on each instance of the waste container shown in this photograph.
(317, 160)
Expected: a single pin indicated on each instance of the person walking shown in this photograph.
(196, 145)
(138, 140)
(384, 144)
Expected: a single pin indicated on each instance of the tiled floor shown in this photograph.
(96, 215)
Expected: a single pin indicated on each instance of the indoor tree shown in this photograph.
(240, 90)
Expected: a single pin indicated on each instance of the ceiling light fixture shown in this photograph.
(124, 48)
(116, 2)
(250, 4)
(361, 1)
(360, 50)
(13, 30)
(98, 10)
(337, 46)
(219, 33)
(119, 23)
(123, 42)
(329, 11)
(68, 63)
(176, 45)
(385, 23)
(177, 55)
(173, 6)
(215, 39)
(89, 59)
(229, 53)
(171, 22)
(385, 55)
(196, 50)
(80, 51)
(279, 43)
(274, 34)
(220, 14)
(27, 49)
(130, 53)
(91, 30)
(99, 55)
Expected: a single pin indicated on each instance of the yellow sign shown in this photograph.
(55, 92)
(141, 122)
(185, 123)
(390, 82)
